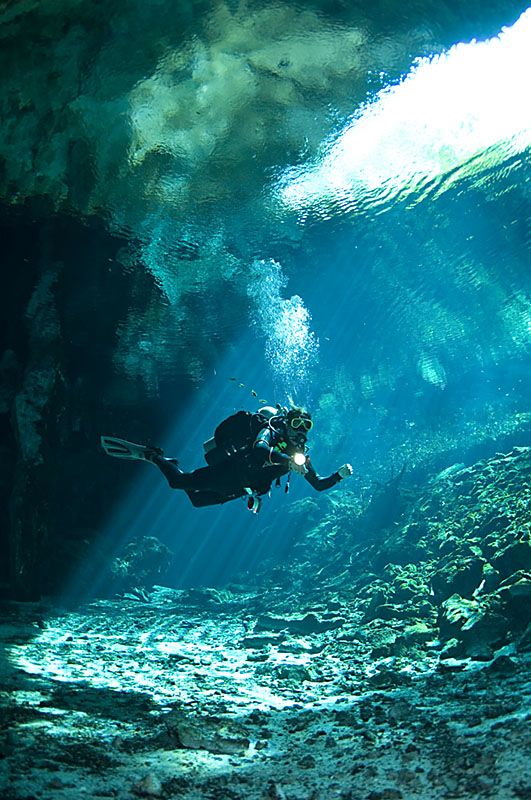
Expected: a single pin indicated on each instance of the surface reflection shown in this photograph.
(455, 115)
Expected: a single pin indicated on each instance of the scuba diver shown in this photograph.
(247, 453)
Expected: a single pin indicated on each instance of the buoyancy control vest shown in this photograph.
(233, 435)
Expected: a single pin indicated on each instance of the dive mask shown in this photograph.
(301, 423)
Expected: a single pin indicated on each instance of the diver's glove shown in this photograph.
(345, 471)
(298, 464)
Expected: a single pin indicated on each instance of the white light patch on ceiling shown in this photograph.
(467, 108)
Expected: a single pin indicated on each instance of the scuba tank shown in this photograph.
(236, 433)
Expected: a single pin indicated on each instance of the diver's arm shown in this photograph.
(263, 444)
(321, 484)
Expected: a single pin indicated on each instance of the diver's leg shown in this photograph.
(201, 499)
(170, 470)
(222, 481)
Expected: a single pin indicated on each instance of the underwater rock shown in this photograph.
(479, 626)
(524, 643)
(298, 646)
(514, 557)
(503, 665)
(491, 579)
(10, 376)
(275, 792)
(418, 633)
(385, 506)
(400, 552)
(258, 642)
(150, 786)
(308, 624)
(409, 583)
(220, 599)
(296, 673)
(389, 611)
(378, 595)
(461, 577)
(387, 648)
(37, 411)
(453, 554)
(43, 376)
(515, 594)
(206, 733)
(449, 663)
(142, 563)
(233, 724)
(386, 676)
(401, 641)
(516, 586)
(382, 639)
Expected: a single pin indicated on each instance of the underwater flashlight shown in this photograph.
(299, 459)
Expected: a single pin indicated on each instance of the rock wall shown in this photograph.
(67, 296)
(448, 567)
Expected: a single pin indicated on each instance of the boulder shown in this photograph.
(389, 611)
(461, 576)
(491, 578)
(479, 626)
(383, 640)
(515, 594)
(295, 673)
(418, 633)
(503, 665)
(524, 644)
(515, 557)
(308, 624)
(207, 733)
(259, 641)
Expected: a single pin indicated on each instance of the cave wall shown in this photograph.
(67, 295)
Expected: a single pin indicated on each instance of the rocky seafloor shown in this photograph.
(386, 657)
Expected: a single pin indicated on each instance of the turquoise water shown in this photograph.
(247, 201)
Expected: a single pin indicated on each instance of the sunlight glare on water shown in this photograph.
(466, 107)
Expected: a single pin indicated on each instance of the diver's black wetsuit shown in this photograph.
(256, 468)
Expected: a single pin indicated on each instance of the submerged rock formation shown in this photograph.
(60, 385)
(451, 572)
(391, 667)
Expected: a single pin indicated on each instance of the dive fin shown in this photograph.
(120, 448)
